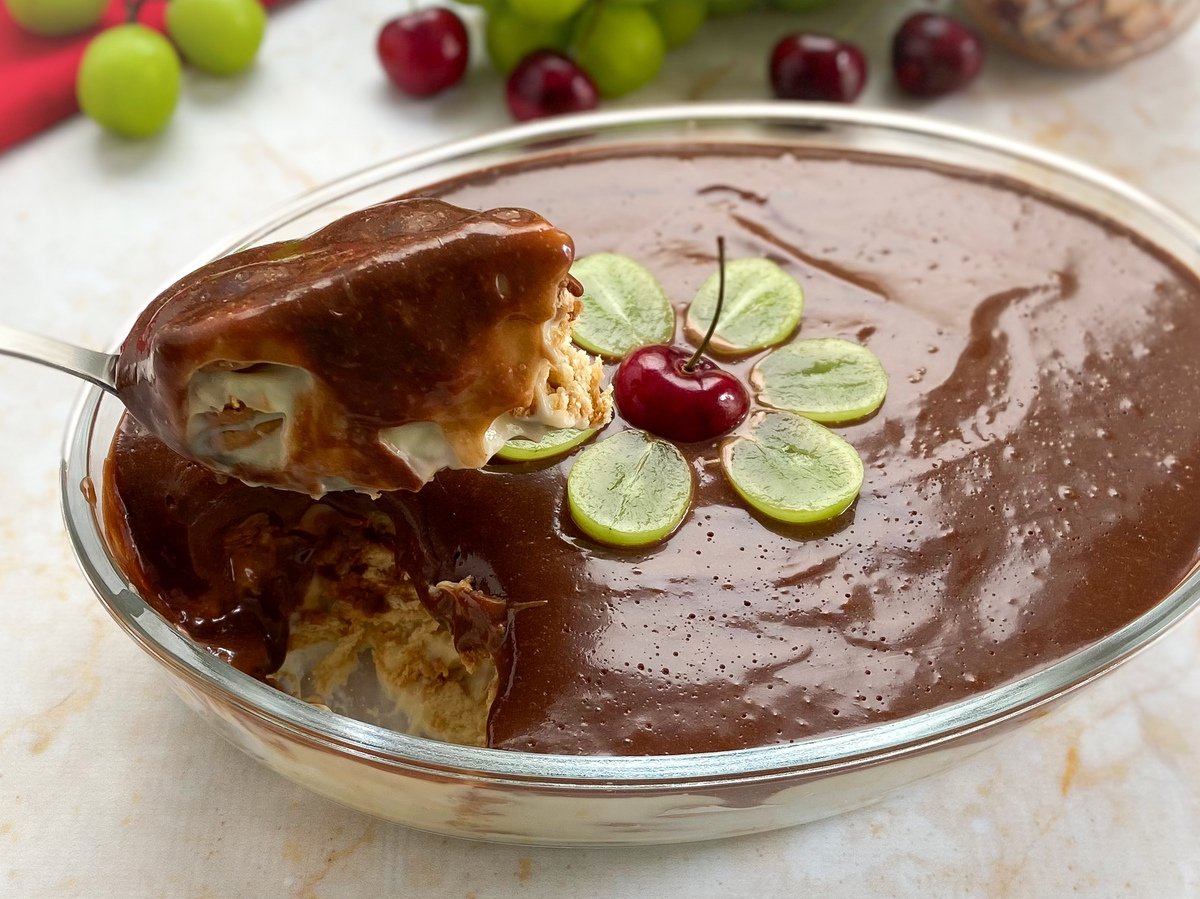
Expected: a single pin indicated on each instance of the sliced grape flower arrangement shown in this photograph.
(634, 488)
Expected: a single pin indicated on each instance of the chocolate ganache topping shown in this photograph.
(1032, 479)
(404, 338)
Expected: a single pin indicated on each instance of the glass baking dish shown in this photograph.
(512, 796)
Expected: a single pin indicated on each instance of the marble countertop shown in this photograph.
(110, 787)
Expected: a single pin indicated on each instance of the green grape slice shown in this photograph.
(826, 379)
(793, 469)
(624, 306)
(763, 304)
(630, 489)
(553, 443)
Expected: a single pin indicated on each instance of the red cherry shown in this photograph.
(424, 52)
(655, 391)
(817, 67)
(547, 83)
(934, 55)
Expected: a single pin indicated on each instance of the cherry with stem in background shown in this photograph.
(424, 52)
(678, 394)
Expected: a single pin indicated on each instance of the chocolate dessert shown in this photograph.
(401, 339)
(1031, 484)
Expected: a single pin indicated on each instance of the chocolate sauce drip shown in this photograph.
(1031, 486)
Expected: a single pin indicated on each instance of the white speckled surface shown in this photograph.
(109, 787)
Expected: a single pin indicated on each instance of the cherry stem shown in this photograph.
(712, 327)
(133, 9)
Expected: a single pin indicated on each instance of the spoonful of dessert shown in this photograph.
(404, 338)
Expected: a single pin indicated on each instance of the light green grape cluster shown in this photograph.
(621, 44)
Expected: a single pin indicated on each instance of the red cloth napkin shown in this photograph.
(37, 74)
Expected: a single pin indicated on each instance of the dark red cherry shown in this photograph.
(424, 52)
(817, 67)
(656, 392)
(547, 83)
(934, 55)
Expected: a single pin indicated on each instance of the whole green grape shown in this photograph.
(219, 36)
(679, 20)
(51, 18)
(620, 47)
(128, 80)
(510, 38)
(550, 11)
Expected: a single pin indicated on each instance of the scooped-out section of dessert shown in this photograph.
(793, 443)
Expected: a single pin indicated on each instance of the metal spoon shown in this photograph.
(99, 368)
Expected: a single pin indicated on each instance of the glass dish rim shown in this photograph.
(868, 745)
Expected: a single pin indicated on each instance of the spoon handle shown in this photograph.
(99, 368)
